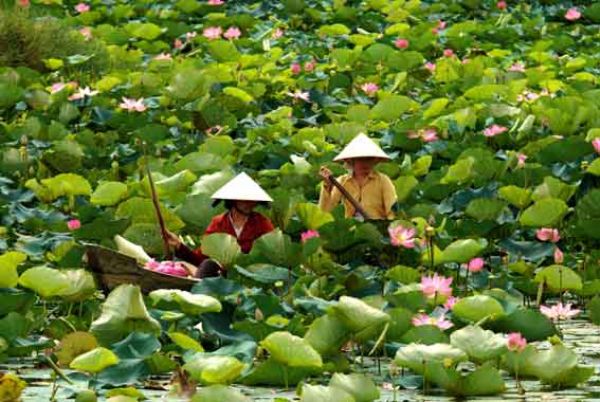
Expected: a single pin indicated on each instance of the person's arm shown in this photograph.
(389, 196)
(329, 197)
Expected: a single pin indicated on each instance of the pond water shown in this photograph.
(580, 335)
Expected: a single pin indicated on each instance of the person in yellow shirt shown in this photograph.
(374, 191)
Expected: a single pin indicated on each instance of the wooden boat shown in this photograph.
(112, 269)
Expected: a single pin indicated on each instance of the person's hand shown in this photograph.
(173, 240)
(326, 174)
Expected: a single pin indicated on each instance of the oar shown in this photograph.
(159, 217)
(349, 197)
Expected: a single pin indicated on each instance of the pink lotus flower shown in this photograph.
(426, 135)
(475, 265)
(429, 135)
(436, 285)
(305, 96)
(401, 236)
(517, 67)
(423, 319)
(163, 57)
(440, 26)
(23, 3)
(133, 105)
(450, 302)
(559, 312)
(401, 43)
(521, 158)
(309, 234)
(190, 35)
(57, 87)
(548, 234)
(212, 33)
(448, 52)
(232, 33)
(309, 66)
(82, 8)
(572, 14)
(494, 130)
(74, 224)
(559, 257)
(501, 5)
(370, 88)
(277, 33)
(152, 264)
(515, 342)
(178, 44)
(430, 66)
(86, 32)
(215, 2)
(82, 93)
(167, 267)
(596, 145)
(296, 68)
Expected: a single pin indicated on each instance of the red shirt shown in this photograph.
(256, 226)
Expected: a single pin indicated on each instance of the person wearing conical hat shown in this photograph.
(241, 195)
(374, 191)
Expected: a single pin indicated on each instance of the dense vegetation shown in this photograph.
(490, 111)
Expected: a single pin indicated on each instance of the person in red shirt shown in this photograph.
(241, 196)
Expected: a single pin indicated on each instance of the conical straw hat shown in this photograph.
(361, 147)
(242, 188)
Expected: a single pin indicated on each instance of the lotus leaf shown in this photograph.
(94, 361)
(45, 281)
(214, 369)
(9, 277)
(291, 350)
(559, 278)
(221, 247)
(361, 387)
(187, 302)
(219, 393)
(479, 344)
(478, 307)
(414, 356)
(109, 193)
(321, 393)
(123, 312)
(364, 321)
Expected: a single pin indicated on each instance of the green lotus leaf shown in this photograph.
(109, 193)
(464, 250)
(361, 387)
(321, 393)
(364, 321)
(559, 278)
(547, 212)
(479, 344)
(73, 345)
(291, 350)
(312, 216)
(189, 303)
(478, 307)
(414, 356)
(185, 342)
(122, 313)
(221, 247)
(45, 281)
(95, 360)
(214, 369)
(327, 334)
(9, 261)
(219, 393)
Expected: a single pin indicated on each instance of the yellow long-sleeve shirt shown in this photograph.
(376, 196)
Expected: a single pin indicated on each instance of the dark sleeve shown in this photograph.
(194, 257)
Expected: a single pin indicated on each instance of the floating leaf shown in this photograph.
(361, 387)
(219, 393)
(95, 360)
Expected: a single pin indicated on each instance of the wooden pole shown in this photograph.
(155, 202)
(349, 197)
